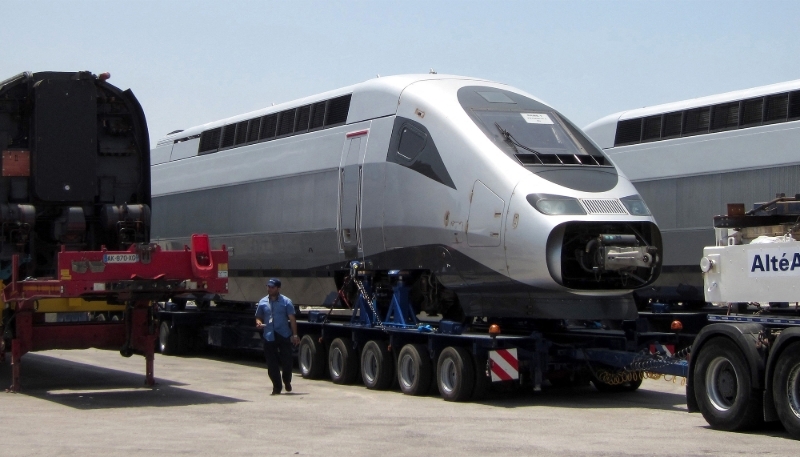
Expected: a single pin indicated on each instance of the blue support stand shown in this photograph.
(401, 313)
(362, 312)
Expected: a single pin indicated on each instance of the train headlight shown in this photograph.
(555, 205)
(635, 205)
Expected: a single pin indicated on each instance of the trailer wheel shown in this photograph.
(342, 361)
(786, 389)
(377, 366)
(455, 375)
(168, 341)
(723, 387)
(414, 369)
(311, 357)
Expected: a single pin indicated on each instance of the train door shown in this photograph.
(485, 217)
(350, 182)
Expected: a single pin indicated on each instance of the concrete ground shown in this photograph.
(92, 402)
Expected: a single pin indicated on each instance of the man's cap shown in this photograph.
(274, 282)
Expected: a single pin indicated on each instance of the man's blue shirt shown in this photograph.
(275, 315)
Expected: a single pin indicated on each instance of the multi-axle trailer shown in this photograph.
(378, 340)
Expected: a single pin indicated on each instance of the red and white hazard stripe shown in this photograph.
(504, 364)
(664, 349)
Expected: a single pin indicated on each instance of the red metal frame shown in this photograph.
(135, 278)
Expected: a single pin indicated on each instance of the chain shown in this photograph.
(649, 364)
(369, 303)
(639, 370)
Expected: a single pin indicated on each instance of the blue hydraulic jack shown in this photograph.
(400, 314)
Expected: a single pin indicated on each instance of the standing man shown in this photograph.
(275, 316)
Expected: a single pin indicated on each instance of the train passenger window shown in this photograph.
(252, 129)
(286, 122)
(412, 142)
(303, 117)
(269, 125)
(777, 108)
(652, 128)
(337, 110)
(209, 141)
(696, 121)
(752, 111)
(628, 131)
(228, 136)
(725, 116)
(672, 125)
(794, 105)
(317, 115)
(241, 133)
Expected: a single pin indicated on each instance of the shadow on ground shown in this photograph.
(82, 386)
(561, 397)
(772, 429)
(587, 398)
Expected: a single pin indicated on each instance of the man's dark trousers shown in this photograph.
(278, 355)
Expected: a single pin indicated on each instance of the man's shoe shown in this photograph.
(288, 387)
(276, 392)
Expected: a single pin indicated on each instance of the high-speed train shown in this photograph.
(734, 147)
(494, 202)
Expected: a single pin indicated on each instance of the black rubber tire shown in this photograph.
(723, 387)
(483, 383)
(377, 365)
(786, 389)
(343, 361)
(455, 374)
(168, 339)
(414, 370)
(311, 357)
(628, 386)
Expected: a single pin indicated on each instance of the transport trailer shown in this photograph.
(745, 366)
(77, 266)
(380, 341)
(108, 295)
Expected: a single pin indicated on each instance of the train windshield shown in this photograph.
(532, 132)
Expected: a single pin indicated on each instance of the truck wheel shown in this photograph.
(342, 361)
(311, 357)
(414, 369)
(723, 387)
(786, 389)
(377, 366)
(455, 375)
(168, 342)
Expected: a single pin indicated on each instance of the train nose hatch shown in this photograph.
(610, 252)
(604, 255)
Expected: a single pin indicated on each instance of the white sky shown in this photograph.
(194, 62)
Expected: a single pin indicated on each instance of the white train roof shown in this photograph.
(382, 93)
(603, 130)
